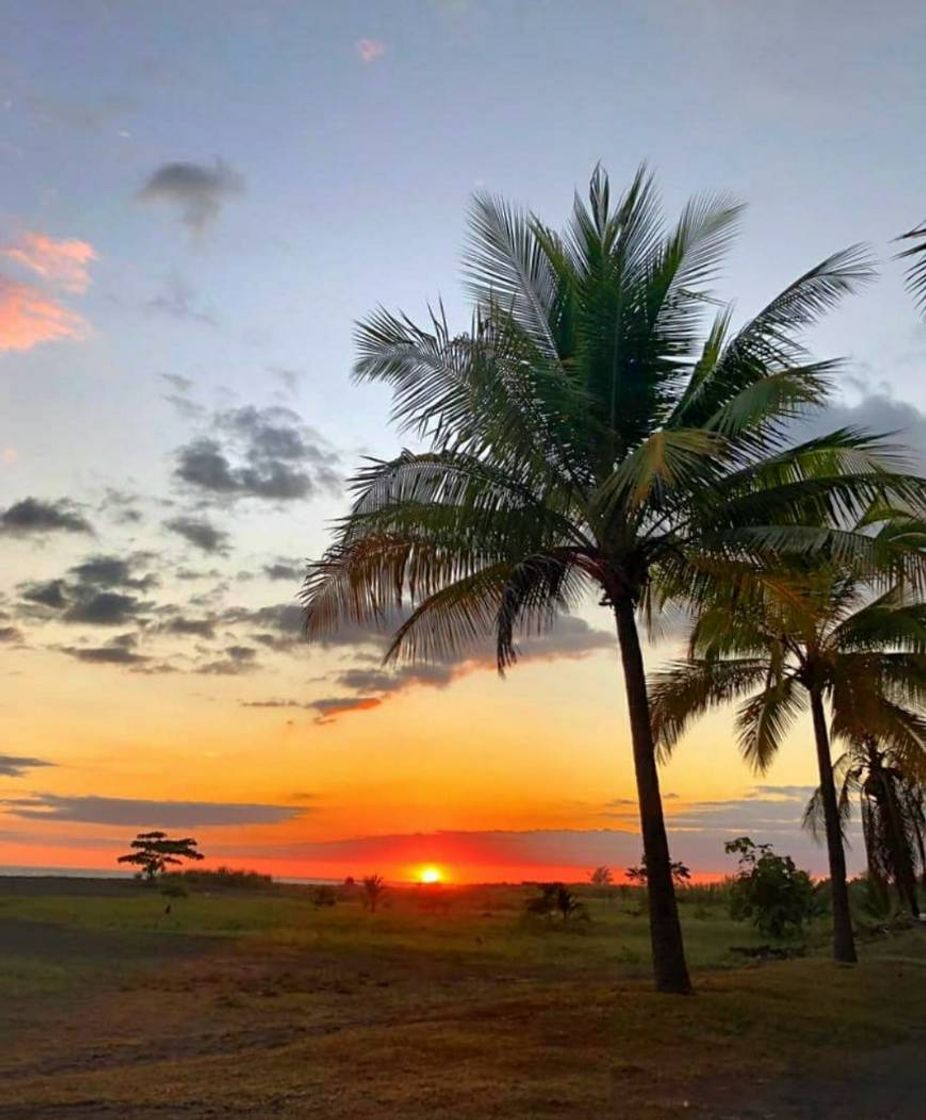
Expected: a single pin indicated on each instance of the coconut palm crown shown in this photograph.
(590, 430)
(783, 638)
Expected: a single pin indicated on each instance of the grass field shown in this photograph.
(449, 1005)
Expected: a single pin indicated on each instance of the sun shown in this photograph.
(430, 875)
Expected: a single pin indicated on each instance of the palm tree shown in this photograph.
(586, 433)
(916, 272)
(812, 634)
(889, 787)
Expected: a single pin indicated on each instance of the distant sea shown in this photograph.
(108, 873)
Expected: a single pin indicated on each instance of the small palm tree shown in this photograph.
(788, 638)
(889, 788)
(374, 887)
(587, 434)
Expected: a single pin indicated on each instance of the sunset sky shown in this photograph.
(197, 201)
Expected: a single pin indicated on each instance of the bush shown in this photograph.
(324, 896)
(770, 891)
(223, 878)
(555, 898)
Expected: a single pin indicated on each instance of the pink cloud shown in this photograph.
(64, 264)
(371, 49)
(29, 317)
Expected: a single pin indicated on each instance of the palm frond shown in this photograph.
(916, 271)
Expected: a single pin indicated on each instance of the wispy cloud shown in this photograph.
(142, 814)
(370, 50)
(29, 317)
(63, 264)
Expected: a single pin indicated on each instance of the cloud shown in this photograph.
(179, 300)
(120, 651)
(284, 570)
(14, 766)
(146, 814)
(10, 636)
(237, 660)
(29, 317)
(103, 608)
(332, 706)
(94, 591)
(200, 533)
(570, 638)
(33, 516)
(113, 571)
(196, 191)
(880, 413)
(191, 627)
(263, 453)
(370, 50)
(63, 264)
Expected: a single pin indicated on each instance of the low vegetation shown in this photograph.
(260, 1003)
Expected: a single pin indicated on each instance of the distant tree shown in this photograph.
(601, 877)
(769, 890)
(153, 852)
(374, 887)
(324, 896)
(681, 875)
(555, 898)
(350, 881)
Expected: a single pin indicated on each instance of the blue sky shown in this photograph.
(333, 149)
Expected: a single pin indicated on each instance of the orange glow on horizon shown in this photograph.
(430, 874)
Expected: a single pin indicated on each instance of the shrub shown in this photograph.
(324, 896)
(769, 890)
(555, 898)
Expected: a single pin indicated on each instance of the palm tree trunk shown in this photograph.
(843, 940)
(669, 966)
(901, 856)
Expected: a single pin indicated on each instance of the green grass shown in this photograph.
(263, 1004)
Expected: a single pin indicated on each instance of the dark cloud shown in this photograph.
(113, 571)
(10, 635)
(272, 704)
(46, 593)
(258, 453)
(236, 660)
(14, 766)
(570, 638)
(104, 608)
(33, 516)
(200, 533)
(196, 190)
(113, 653)
(191, 627)
(880, 413)
(284, 570)
(332, 706)
(146, 814)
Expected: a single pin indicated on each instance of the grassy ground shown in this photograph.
(263, 1005)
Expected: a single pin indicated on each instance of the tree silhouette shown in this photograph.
(681, 875)
(155, 851)
(889, 787)
(591, 434)
(374, 887)
(782, 639)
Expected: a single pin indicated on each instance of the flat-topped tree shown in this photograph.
(154, 852)
(589, 435)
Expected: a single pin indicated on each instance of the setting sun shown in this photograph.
(430, 875)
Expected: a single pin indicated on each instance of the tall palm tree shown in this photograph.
(785, 638)
(889, 787)
(916, 272)
(587, 433)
